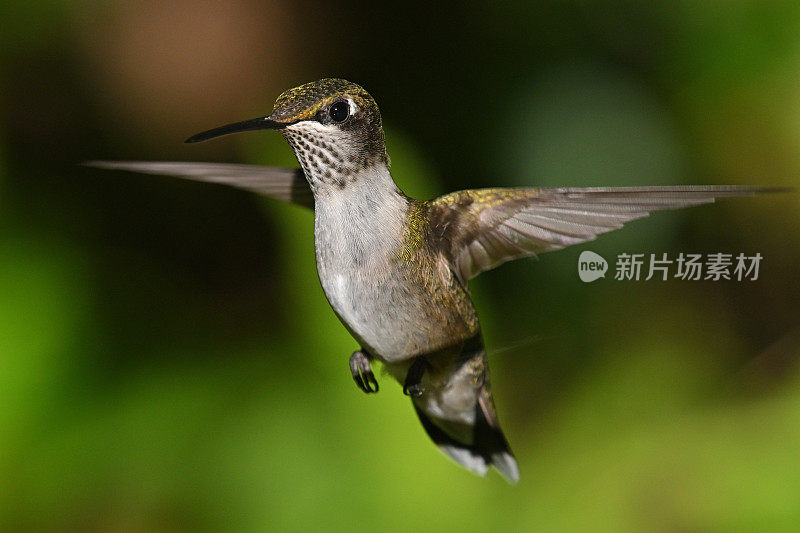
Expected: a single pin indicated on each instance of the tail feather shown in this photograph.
(488, 446)
(490, 438)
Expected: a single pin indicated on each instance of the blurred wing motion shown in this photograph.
(480, 229)
(287, 184)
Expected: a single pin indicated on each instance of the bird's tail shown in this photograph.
(473, 439)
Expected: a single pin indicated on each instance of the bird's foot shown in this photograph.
(362, 372)
(412, 386)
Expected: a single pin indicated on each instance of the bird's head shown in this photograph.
(333, 126)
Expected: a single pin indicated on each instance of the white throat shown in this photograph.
(370, 203)
(328, 156)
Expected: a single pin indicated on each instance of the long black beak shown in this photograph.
(261, 123)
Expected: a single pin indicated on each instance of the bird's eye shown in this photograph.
(339, 111)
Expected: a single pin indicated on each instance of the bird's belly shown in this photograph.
(396, 311)
(386, 318)
(397, 308)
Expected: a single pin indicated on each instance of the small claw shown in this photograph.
(412, 386)
(359, 382)
(362, 372)
(414, 391)
(372, 381)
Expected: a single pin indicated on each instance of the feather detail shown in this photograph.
(482, 228)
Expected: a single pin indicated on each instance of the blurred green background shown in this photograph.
(168, 361)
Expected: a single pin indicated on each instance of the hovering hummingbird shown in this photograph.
(395, 269)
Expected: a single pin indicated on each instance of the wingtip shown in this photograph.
(774, 190)
(130, 166)
(112, 165)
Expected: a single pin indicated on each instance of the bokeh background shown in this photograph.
(168, 361)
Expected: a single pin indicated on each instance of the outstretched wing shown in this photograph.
(480, 229)
(287, 184)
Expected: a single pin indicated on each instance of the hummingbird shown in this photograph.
(395, 269)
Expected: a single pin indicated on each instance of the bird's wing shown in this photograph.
(480, 229)
(287, 184)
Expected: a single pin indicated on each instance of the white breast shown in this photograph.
(358, 230)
